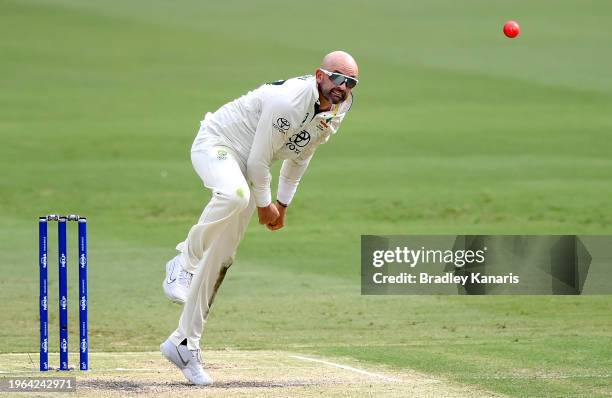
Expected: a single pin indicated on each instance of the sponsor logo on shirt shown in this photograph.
(282, 125)
(298, 141)
(221, 154)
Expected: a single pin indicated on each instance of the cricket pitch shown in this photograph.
(239, 374)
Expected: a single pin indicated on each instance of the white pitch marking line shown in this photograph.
(136, 370)
(94, 370)
(8, 372)
(346, 367)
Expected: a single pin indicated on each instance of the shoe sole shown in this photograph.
(173, 299)
(188, 376)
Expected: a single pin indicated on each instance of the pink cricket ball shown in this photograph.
(512, 29)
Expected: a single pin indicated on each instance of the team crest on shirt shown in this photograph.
(323, 125)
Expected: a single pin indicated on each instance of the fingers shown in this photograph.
(274, 227)
(276, 224)
(268, 214)
(270, 219)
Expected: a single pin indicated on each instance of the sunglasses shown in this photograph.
(338, 78)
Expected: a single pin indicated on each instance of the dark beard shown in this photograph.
(334, 100)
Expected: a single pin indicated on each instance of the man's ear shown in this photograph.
(319, 75)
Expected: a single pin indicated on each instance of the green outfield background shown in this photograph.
(455, 129)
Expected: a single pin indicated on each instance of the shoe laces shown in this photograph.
(197, 354)
(184, 278)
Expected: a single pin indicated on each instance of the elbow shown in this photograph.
(251, 167)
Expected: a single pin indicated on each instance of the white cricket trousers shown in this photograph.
(211, 244)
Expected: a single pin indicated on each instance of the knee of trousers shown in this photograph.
(236, 200)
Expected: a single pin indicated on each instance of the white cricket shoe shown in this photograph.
(188, 361)
(177, 281)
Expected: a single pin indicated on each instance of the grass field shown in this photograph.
(455, 129)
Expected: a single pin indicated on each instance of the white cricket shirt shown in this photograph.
(277, 120)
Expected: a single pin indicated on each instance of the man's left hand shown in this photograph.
(280, 221)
